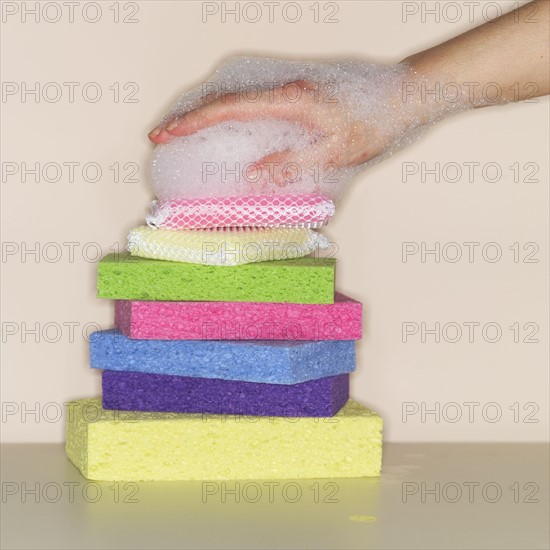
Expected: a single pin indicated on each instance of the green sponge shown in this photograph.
(135, 446)
(306, 280)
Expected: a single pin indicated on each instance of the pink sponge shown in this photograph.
(290, 210)
(152, 320)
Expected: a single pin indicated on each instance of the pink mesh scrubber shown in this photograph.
(211, 178)
(286, 210)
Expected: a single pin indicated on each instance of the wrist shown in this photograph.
(431, 90)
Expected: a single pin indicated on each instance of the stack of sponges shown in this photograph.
(222, 309)
(217, 372)
(233, 230)
(220, 201)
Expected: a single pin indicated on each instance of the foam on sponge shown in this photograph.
(135, 446)
(307, 280)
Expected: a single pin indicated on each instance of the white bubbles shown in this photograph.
(214, 161)
(221, 160)
(355, 112)
(247, 75)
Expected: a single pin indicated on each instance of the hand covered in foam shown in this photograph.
(267, 126)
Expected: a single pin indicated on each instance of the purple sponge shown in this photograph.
(239, 321)
(134, 391)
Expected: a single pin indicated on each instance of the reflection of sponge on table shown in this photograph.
(275, 362)
(149, 320)
(130, 446)
(307, 280)
(138, 391)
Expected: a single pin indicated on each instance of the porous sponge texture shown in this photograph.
(274, 362)
(307, 280)
(139, 446)
(136, 391)
(239, 321)
(224, 246)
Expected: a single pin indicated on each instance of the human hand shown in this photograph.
(355, 111)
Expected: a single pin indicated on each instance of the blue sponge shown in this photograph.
(274, 362)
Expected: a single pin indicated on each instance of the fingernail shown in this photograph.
(172, 125)
(154, 133)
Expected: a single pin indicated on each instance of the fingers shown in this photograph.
(286, 168)
(277, 103)
(160, 135)
(213, 113)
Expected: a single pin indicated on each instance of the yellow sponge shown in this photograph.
(226, 246)
(135, 446)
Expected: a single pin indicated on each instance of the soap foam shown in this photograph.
(366, 94)
(213, 162)
(363, 85)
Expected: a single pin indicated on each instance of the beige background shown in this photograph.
(166, 51)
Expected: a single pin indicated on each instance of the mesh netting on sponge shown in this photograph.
(226, 247)
(247, 211)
